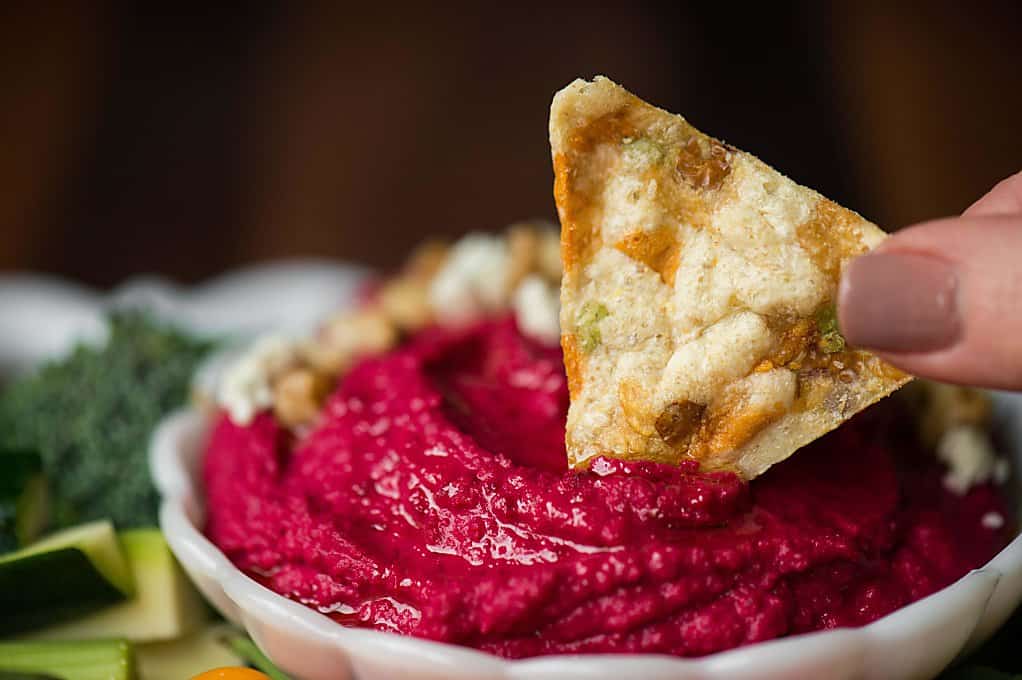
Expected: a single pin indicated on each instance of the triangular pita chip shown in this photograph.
(697, 306)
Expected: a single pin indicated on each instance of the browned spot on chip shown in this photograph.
(704, 162)
(634, 401)
(889, 372)
(732, 423)
(610, 128)
(577, 241)
(795, 341)
(813, 386)
(679, 421)
(572, 364)
(658, 249)
(576, 170)
(830, 236)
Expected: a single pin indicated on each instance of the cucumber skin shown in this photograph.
(98, 541)
(23, 498)
(165, 606)
(92, 660)
(32, 511)
(78, 589)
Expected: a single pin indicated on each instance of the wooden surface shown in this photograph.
(188, 142)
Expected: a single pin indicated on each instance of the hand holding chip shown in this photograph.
(943, 299)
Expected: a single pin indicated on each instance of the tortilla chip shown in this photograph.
(697, 305)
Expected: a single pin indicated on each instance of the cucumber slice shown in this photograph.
(62, 576)
(23, 498)
(92, 660)
(165, 606)
(188, 656)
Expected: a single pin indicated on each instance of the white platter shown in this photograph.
(41, 317)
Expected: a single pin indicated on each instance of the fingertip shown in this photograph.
(899, 302)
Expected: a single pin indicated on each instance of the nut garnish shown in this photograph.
(298, 396)
(349, 337)
(523, 249)
(482, 274)
(426, 260)
(548, 259)
(405, 302)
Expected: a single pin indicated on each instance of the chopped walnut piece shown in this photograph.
(523, 248)
(534, 247)
(348, 337)
(426, 260)
(549, 255)
(943, 407)
(298, 396)
(405, 301)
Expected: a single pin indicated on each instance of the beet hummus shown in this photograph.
(433, 499)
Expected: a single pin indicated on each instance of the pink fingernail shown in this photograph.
(899, 302)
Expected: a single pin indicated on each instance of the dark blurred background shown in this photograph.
(186, 142)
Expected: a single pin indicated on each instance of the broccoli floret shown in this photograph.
(90, 417)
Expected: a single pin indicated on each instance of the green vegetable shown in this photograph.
(165, 606)
(62, 576)
(188, 656)
(94, 660)
(588, 321)
(643, 150)
(247, 650)
(23, 498)
(90, 417)
(831, 340)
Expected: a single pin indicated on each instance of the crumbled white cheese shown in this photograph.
(537, 309)
(992, 521)
(473, 280)
(246, 386)
(970, 459)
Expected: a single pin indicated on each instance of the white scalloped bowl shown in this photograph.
(40, 317)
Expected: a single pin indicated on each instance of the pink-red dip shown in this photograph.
(433, 499)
